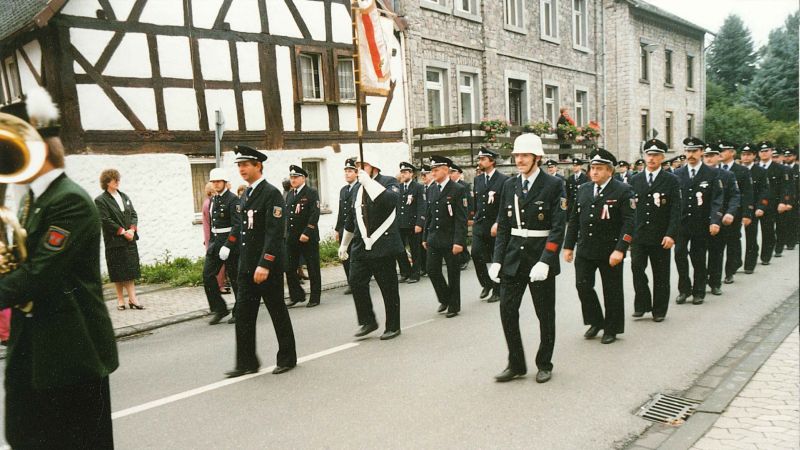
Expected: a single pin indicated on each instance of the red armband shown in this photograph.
(627, 238)
(232, 238)
(269, 257)
(551, 247)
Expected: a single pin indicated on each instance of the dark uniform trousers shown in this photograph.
(613, 300)
(445, 226)
(211, 268)
(644, 301)
(728, 238)
(482, 247)
(380, 260)
(751, 249)
(702, 201)
(544, 302)
(261, 245)
(414, 242)
(309, 251)
(768, 239)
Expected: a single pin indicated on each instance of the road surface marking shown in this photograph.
(220, 384)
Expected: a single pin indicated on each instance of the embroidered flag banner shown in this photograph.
(373, 50)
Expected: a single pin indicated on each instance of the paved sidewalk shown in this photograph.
(165, 305)
(766, 413)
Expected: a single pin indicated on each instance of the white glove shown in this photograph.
(539, 271)
(494, 272)
(224, 252)
(347, 237)
(373, 188)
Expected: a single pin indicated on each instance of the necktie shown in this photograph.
(691, 173)
(440, 188)
(487, 179)
(525, 186)
(650, 182)
(596, 190)
(724, 167)
(247, 192)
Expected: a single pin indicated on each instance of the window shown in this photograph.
(668, 67)
(467, 6)
(346, 79)
(580, 36)
(668, 129)
(201, 171)
(551, 104)
(311, 76)
(435, 89)
(689, 71)
(690, 125)
(645, 125)
(581, 108)
(644, 64)
(517, 92)
(514, 10)
(468, 96)
(312, 180)
(2, 89)
(14, 89)
(549, 19)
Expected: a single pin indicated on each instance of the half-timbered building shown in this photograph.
(139, 82)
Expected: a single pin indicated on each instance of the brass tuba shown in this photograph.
(22, 155)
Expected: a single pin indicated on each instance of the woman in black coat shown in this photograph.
(120, 234)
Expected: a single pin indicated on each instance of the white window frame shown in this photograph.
(526, 107)
(436, 5)
(556, 101)
(581, 122)
(321, 191)
(14, 86)
(443, 84)
(474, 12)
(644, 70)
(3, 94)
(318, 79)
(671, 71)
(518, 25)
(583, 27)
(553, 21)
(645, 113)
(339, 60)
(690, 86)
(477, 106)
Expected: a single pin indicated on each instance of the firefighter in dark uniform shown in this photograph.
(658, 217)
(530, 231)
(552, 169)
(638, 166)
(261, 259)
(487, 194)
(758, 175)
(624, 173)
(457, 175)
(731, 200)
(372, 230)
(427, 182)
(783, 222)
(576, 178)
(700, 217)
(302, 237)
(790, 160)
(445, 235)
(732, 235)
(601, 223)
(779, 200)
(346, 197)
(224, 246)
(411, 209)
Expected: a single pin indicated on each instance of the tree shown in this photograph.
(731, 59)
(774, 88)
(735, 123)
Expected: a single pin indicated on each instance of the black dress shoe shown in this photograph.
(366, 329)
(637, 314)
(348, 291)
(778, 254)
(608, 338)
(442, 308)
(451, 314)
(681, 298)
(764, 263)
(592, 332)
(312, 304)
(748, 271)
(294, 302)
(508, 375)
(728, 279)
(543, 376)
(239, 372)
(716, 291)
(697, 300)
(402, 279)
(281, 369)
(493, 298)
(217, 318)
(790, 248)
(232, 319)
(464, 266)
(658, 318)
(413, 280)
(389, 335)
(485, 292)
(423, 274)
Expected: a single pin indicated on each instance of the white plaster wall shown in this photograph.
(215, 59)
(347, 118)
(131, 58)
(122, 8)
(313, 14)
(244, 16)
(314, 117)
(205, 12)
(85, 8)
(148, 180)
(285, 85)
(174, 57)
(225, 100)
(97, 111)
(142, 102)
(180, 106)
(90, 43)
(163, 12)
(280, 20)
(340, 15)
(253, 103)
(34, 52)
(248, 62)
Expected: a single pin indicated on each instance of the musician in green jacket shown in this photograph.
(62, 346)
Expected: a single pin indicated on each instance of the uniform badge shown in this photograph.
(699, 196)
(657, 198)
(465, 202)
(509, 213)
(491, 197)
(277, 212)
(239, 208)
(541, 216)
(249, 219)
(704, 184)
(633, 203)
(394, 189)
(564, 203)
(56, 238)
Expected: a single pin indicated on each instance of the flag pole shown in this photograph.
(357, 76)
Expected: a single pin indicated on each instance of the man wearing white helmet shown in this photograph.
(224, 212)
(530, 232)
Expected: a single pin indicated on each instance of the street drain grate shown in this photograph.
(668, 409)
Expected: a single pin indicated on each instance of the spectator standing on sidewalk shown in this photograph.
(120, 233)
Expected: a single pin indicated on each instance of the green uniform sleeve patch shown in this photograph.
(56, 238)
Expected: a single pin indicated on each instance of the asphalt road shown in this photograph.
(433, 386)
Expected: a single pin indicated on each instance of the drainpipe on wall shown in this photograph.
(406, 94)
